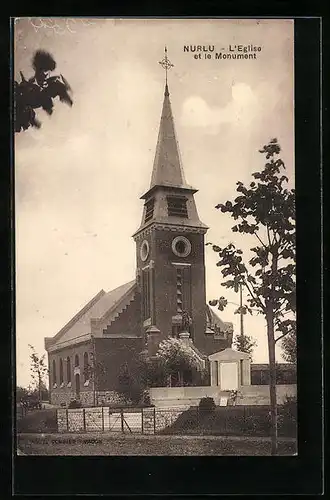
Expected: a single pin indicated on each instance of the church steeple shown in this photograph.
(170, 243)
(167, 169)
(169, 199)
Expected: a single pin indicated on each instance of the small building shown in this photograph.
(87, 355)
(230, 369)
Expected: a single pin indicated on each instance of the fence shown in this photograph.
(231, 420)
(123, 420)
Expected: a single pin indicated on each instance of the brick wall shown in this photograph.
(114, 354)
(129, 321)
(64, 393)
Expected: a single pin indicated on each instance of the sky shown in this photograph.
(78, 179)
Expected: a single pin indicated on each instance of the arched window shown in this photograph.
(61, 371)
(86, 367)
(68, 369)
(54, 371)
(76, 360)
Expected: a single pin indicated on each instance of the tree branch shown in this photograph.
(263, 244)
(268, 235)
(284, 335)
(255, 297)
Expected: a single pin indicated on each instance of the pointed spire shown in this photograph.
(167, 168)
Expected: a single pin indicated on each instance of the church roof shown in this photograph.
(212, 320)
(103, 304)
(104, 308)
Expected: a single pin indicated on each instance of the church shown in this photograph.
(166, 298)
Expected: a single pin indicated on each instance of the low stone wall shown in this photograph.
(60, 397)
(184, 396)
(86, 398)
(168, 397)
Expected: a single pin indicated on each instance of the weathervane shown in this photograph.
(166, 64)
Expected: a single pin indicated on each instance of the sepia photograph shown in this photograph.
(155, 237)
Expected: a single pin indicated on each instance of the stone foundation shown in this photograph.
(109, 397)
(102, 398)
(59, 397)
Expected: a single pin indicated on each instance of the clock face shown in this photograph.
(144, 250)
(181, 246)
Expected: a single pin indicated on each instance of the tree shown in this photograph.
(266, 210)
(130, 385)
(289, 347)
(21, 394)
(244, 343)
(39, 371)
(38, 92)
(177, 358)
(94, 370)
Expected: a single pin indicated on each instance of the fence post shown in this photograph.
(142, 431)
(102, 420)
(67, 419)
(154, 420)
(122, 420)
(84, 418)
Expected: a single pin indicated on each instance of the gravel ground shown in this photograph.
(151, 445)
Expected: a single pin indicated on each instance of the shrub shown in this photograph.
(74, 404)
(287, 417)
(207, 405)
(38, 421)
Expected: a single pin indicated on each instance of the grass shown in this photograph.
(151, 445)
(38, 421)
(229, 421)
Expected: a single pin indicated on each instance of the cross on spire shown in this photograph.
(166, 65)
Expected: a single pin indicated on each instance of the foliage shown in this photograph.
(288, 416)
(153, 373)
(74, 404)
(38, 369)
(266, 205)
(266, 210)
(38, 92)
(130, 386)
(176, 356)
(21, 394)
(289, 347)
(38, 422)
(94, 370)
(229, 421)
(207, 405)
(244, 343)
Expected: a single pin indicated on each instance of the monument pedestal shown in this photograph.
(185, 337)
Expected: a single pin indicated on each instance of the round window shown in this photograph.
(181, 246)
(144, 250)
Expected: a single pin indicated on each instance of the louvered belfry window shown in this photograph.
(149, 209)
(177, 206)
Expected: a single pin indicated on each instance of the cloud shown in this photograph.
(244, 108)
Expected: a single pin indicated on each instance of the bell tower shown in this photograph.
(170, 242)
